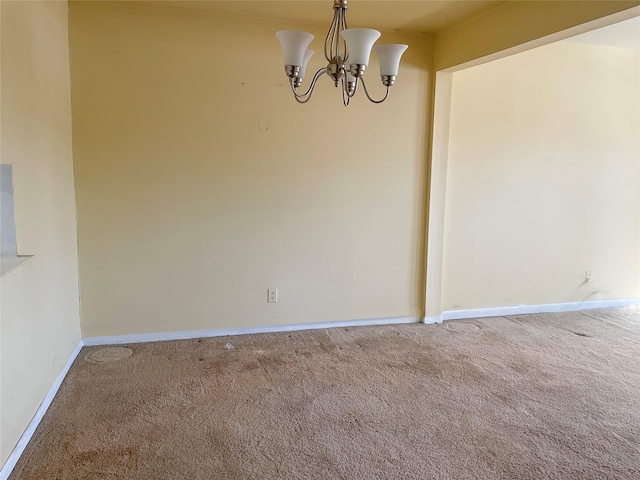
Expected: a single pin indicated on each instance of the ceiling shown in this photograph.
(407, 15)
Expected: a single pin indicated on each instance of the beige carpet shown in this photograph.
(523, 397)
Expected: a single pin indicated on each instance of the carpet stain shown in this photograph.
(109, 354)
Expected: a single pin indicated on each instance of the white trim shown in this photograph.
(223, 332)
(37, 417)
(526, 309)
(432, 320)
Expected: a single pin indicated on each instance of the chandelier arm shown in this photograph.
(335, 37)
(344, 42)
(327, 52)
(364, 85)
(304, 100)
(311, 87)
(333, 47)
(345, 93)
(338, 30)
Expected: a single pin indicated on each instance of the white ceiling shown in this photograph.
(407, 15)
(625, 34)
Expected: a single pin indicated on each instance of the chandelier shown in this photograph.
(347, 50)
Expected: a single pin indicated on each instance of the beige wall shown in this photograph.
(516, 26)
(543, 179)
(40, 323)
(201, 183)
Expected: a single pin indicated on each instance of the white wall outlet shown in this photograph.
(272, 295)
(588, 277)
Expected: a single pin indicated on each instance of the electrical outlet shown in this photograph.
(588, 277)
(272, 295)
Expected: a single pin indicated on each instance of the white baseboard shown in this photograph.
(11, 462)
(527, 309)
(432, 320)
(223, 332)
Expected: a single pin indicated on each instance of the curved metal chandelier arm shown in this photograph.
(308, 93)
(332, 42)
(364, 85)
(328, 45)
(345, 94)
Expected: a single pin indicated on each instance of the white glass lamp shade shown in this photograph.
(389, 56)
(294, 45)
(359, 43)
(307, 56)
